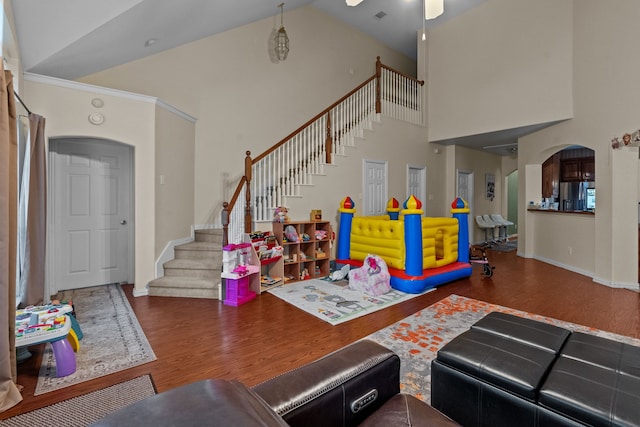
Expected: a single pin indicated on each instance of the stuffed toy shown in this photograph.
(291, 234)
(372, 278)
(280, 215)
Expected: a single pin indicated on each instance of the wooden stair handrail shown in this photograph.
(249, 162)
(316, 117)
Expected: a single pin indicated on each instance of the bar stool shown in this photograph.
(503, 224)
(484, 225)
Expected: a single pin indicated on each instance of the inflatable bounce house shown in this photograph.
(421, 252)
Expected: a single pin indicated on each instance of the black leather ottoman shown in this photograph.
(595, 381)
(490, 375)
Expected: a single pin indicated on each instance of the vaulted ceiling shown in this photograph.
(70, 39)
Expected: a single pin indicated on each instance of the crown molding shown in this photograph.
(69, 84)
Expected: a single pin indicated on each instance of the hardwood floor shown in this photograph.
(197, 339)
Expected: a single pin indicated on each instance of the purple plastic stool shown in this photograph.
(65, 357)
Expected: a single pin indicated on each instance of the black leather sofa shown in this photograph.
(511, 371)
(356, 385)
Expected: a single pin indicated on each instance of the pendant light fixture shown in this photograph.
(282, 40)
(433, 8)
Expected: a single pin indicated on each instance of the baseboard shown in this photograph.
(140, 293)
(168, 253)
(564, 266)
(633, 286)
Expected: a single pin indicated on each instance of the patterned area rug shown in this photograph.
(113, 339)
(417, 338)
(334, 302)
(83, 410)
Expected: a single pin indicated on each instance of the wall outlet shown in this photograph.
(570, 250)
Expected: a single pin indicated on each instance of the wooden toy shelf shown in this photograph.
(305, 259)
(271, 273)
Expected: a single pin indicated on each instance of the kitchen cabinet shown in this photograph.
(582, 169)
(551, 176)
(589, 169)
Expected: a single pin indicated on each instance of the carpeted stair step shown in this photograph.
(200, 251)
(195, 270)
(211, 235)
(184, 287)
(201, 269)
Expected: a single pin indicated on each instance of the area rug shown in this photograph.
(417, 338)
(334, 302)
(113, 339)
(83, 410)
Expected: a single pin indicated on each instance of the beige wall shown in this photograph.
(174, 160)
(606, 105)
(129, 119)
(481, 163)
(501, 65)
(346, 177)
(492, 68)
(498, 67)
(242, 99)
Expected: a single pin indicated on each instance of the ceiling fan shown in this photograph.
(432, 8)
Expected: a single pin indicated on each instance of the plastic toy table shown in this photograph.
(54, 331)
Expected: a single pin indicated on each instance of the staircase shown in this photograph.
(289, 165)
(195, 270)
(282, 170)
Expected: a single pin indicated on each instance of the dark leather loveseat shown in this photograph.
(356, 385)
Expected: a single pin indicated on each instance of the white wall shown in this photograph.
(242, 99)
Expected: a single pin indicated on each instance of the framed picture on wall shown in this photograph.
(490, 184)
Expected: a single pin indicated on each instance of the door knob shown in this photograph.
(123, 222)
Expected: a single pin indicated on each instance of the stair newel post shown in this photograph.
(247, 210)
(328, 144)
(378, 85)
(225, 223)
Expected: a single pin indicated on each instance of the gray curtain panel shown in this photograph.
(9, 393)
(33, 265)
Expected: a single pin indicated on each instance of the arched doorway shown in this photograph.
(91, 213)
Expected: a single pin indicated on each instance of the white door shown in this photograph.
(465, 190)
(375, 188)
(92, 216)
(417, 183)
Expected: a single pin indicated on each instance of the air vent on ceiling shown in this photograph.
(380, 15)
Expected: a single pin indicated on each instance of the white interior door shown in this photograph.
(375, 187)
(92, 216)
(465, 190)
(417, 182)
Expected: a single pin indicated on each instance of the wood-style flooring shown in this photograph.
(196, 339)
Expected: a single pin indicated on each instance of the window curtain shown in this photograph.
(33, 214)
(9, 393)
